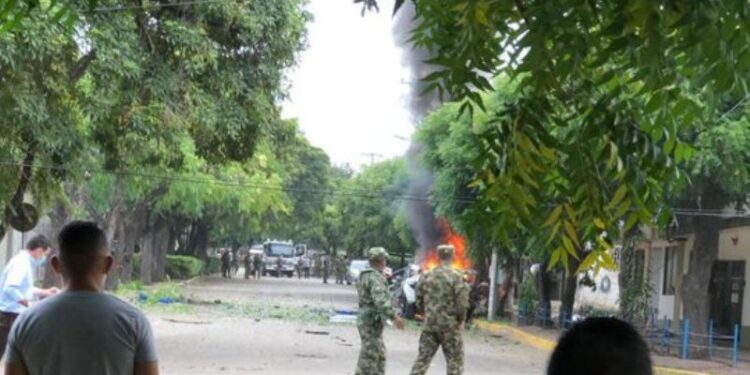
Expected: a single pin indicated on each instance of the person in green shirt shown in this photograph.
(375, 310)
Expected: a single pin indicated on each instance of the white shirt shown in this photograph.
(17, 283)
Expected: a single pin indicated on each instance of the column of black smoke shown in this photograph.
(421, 213)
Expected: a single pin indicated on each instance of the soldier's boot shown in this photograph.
(428, 346)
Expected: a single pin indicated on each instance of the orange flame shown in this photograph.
(450, 236)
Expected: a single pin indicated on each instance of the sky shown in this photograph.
(349, 87)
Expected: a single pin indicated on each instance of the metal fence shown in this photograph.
(664, 336)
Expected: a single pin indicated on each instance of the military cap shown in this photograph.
(377, 253)
(446, 251)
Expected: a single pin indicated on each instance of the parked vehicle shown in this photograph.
(285, 250)
(355, 267)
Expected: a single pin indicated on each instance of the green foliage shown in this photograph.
(636, 299)
(528, 297)
(374, 211)
(178, 267)
(721, 157)
(307, 174)
(603, 94)
(181, 267)
(170, 290)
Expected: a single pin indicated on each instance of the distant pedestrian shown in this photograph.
(300, 267)
(235, 262)
(443, 295)
(308, 265)
(82, 330)
(325, 267)
(17, 282)
(279, 263)
(601, 346)
(375, 311)
(258, 266)
(248, 265)
(226, 265)
(341, 265)
(318, 266)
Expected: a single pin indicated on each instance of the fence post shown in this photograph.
(710, 338)
(668, 334)
(736, 343)
(685, 339)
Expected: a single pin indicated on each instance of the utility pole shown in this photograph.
(492, 303)
(372, 156)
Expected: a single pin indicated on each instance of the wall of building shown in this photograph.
(728, 250)
(10, 244)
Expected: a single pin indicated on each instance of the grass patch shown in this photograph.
(162, 297)
(270, 311)
(152, 297)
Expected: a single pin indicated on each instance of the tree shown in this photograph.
(307, 181)
(604, 91)
(372, 205)
(41, 121)
(719, 175)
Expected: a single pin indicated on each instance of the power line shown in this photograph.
(127, 8)
(340, 191)
(357, 193)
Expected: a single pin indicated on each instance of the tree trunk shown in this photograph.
(507, 287)
(198, 240)
(570, 285)
(59, 215)
(705, 252)
(156, 260)
(544, 286)
(147, 256)
(133, 229)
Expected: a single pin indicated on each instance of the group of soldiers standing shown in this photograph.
(443, 295)
(230, 264)
(336, 265)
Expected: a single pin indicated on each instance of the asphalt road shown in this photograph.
(206, 343)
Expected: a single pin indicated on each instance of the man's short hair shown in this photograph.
(38, 241)
(446, 252)
(601, 346)
(81, 243)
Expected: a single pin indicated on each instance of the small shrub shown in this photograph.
(212, 267)
(529, 297)
(178, 267)
(181, 267)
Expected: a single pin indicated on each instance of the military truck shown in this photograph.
(289, 254)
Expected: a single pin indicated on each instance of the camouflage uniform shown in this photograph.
(375, 308)
(340, 270)
(444, 297)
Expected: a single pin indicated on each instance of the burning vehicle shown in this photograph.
(404, 286)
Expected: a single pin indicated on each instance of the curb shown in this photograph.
(544, 344)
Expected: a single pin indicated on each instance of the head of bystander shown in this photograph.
(601, 346)
(84, 259)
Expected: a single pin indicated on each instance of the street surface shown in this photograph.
(202, 342)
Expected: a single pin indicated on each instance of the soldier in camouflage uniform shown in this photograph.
(340, 269)
(444, 297)
(375, 310)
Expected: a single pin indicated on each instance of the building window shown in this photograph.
(670, 265)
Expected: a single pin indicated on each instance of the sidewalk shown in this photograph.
(545, 339)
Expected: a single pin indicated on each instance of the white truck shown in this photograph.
(289, 254)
